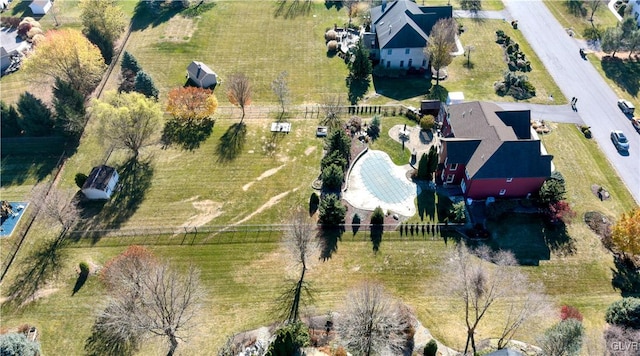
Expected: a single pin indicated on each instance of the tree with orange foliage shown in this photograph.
(239, 91)
(191, 104)
(626, 233)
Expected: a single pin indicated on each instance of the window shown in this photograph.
(407, 50)
(509, 180)
(382, 61)
(424, 62)
(450, 178)
(454, 167)
(401, 64)
(410, 62)
(503, 191)
(388, 64)
(389, 52)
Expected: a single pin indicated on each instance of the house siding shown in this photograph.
(635, 9)
(518, 188)
(416, 55)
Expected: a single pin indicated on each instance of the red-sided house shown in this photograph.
(490, 152)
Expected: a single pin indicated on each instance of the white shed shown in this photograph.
(455, 97)
(101, 183)
(201, 74)
(40, 7)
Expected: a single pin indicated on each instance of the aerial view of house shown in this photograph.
(319, 177)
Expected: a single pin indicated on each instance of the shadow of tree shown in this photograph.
(355, 224)
(27, 158)
(576, 8)
(376, 236)
(100, 343)
(36, 270)
(329, 237)
(626, 278)
(401, 88)
(357, 89)
(625, 73)
(427, 204)
(557, 238)
(296, 8)
(82, 279)
(270, 144)
(231, 143)
(333, 3)
(154, 13)
(189, 135)
(22, 9)
(135, 180)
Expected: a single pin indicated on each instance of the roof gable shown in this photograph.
(99, 178)
(199, 70)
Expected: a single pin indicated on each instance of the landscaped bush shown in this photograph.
(84, 268)
(569, 312)
(80, 179)
(332, 177)
(354, 124)
(373, 130)
(516, 85)
(593, 33)
(500, 207)
(624, 313)
(332, 46)
(457, 213)
(289, 339)
(431, 349)
(586, 131)
(427, 122)
(330, 35)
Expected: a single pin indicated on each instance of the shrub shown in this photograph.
(500, 208)
(314, 200)
(332, 177)
(569, 312)
(340, 351)
(427, 122)
(18, 344)
(431, 349)
(377, 217)
(354, 124)
(560, 211)
(289, 339)
(80, 179)
(593, 33)
(624, 313)
(84, 268)
(457, 212)
(332, 46)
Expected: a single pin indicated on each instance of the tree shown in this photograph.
(626, 232)
(359, 64)
(128, 120)
(153, 300)
(624, 313)
(103, 22)
(472, 5)
(339, 141)
(632, 42)
(332, 107)
(10, 123)
(128, 70)
(280, 88)
(191, 104)
(560, 211)
(351, 6)
(374, 127)
(129, 62)
(552, 190)
(239, 91)
(562, 339)
(301, 244)
(70, 110)
(55, 205)
(427, 122)
(612, 40)
(52, 59)
(594, 5)
(528, 305)
(440, 44)
(332, 211)
(372, 322)
(480, 287)
(332, 177)
(620, 336)
(377, 217)
(289, 339)
(432, 163)
(14, 344)
(144, 84)
(423, 167)
(431, 348)
(35, 117)
(569, 312)
(333, 158)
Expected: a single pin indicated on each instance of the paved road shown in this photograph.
(577, 77)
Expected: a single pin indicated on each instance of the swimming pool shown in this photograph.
(376, 181)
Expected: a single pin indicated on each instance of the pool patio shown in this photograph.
(11, 221)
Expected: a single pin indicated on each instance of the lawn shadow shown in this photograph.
(82, 279)
(357, 89)
(135, 180)
(626, 278)
(231, 143)
(557, 238)
(153, 13)
(328, 239)
(438, 92)
(333, 3)
(525, 235)
(36, 270)
(102, 343)
(22, 9)
(25, 158)
(188, 135)
(355, 224)
(296, 8)
(376, 237)
(427, 204)
(401, 88)
(624, 73)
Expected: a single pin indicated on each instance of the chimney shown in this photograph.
(384, 5)
(389, 28)
(199, 69)
(470, 112)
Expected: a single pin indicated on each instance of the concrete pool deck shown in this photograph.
(376, 181)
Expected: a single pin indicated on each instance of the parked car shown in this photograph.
(636, 123)
(626, 106)
(619, 140)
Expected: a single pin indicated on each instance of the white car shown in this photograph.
(626, 106)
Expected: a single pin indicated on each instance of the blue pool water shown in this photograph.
(10, 223)
(377, 177)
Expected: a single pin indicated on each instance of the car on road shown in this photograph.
(636, 123)
(626, 106)
(619, 140)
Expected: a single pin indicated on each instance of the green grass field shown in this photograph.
(577, 19)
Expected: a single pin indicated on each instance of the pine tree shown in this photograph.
(69, 106)
(359, 66)
(129, 62)
(10, 126)
(144, 84)
(35, 116)
(423, 167)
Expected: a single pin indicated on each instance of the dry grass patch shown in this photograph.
(179, 29)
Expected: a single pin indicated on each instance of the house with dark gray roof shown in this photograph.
(399, 32)
(101, 183)
(200, 74)
(490, 152)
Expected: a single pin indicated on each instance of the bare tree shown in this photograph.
(351, 6)
(55, 205)
(301, 243)
(332, 107)
(594, 5)
(440, 44)
(372, 322)
(280, 88)
(478, 286)
(151, 301)
(239, 91)
(527, 304)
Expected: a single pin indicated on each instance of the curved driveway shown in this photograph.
(576, 77)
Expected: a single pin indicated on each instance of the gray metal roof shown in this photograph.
(99, 177)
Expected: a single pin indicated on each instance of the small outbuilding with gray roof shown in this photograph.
(101, 183)
(490, 152)
(201, 75)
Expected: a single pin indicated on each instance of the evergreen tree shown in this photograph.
(129, 62)
(339, 141)
(332, 211)
(144, 84)
(377, 217)
(10, 126)
(423, 167)
(35, 116)
(332, 177)
(69, 105)
(359, 65)
(432, 165)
